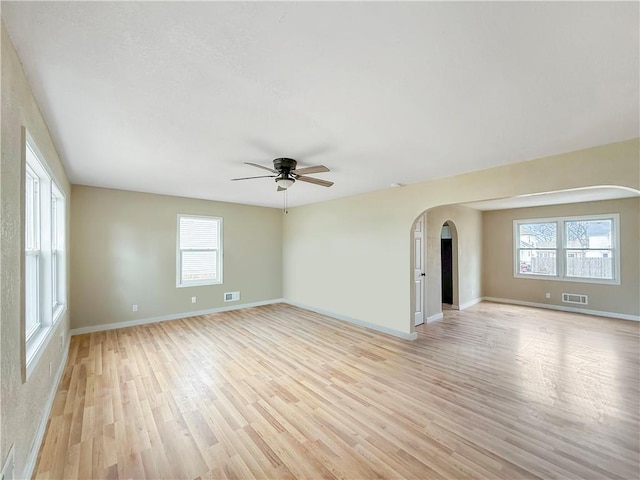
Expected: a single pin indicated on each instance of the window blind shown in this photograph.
(199, 246)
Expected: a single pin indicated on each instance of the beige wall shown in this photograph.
(123, 252)
(498, 279)
(352, 256)
(467, 275)
(21, 402)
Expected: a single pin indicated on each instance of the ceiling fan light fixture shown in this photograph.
(285, 182)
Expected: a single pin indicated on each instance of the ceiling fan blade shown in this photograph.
(315, 181)
(261, 166)
(306, 170)
(260, 176)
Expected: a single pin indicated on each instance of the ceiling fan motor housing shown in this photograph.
(284, 165)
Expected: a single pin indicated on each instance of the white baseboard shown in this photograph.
(434, 317)
(42, 427)
(174, 316)
(362, 323)
(598, 313)
(471, 303)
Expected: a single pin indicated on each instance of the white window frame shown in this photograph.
(42, 248)
(32, 253)
(179, 250)
(561, 248)
(58, 252)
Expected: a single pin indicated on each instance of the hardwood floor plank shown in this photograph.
(496, 392)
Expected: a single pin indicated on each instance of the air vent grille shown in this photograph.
(232, 296)
(575, 298)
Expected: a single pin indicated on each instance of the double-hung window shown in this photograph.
(44, 253)
(199, 252)
(579, 249)
(32, 253)
(58, 259)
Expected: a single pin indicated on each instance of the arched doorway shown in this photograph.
(427, 270)
(449, 291)
(446, 265)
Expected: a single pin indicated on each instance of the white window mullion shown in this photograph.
(561, 257)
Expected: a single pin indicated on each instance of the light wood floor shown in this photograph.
(495, 391)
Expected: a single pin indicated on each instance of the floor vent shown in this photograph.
(575, 298)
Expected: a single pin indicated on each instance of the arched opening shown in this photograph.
(465, 222)
(448, 265)
(432, 231)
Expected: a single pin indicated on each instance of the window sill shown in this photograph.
(35, 347)
(58, 311)
(555, 278)
(198, 284)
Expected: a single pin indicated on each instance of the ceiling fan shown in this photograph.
(286, 174)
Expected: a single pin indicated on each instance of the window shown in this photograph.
(199, 257)
(32, 253)
(44, 253)
(537, 248)
(582, 249)
(58, 258)
(589, 248)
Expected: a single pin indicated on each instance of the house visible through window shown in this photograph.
(44, 254)
(574, 248)
(199, 256)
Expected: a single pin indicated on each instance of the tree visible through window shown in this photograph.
(538, 243)
(589, 248)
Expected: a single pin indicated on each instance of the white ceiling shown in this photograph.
(172, 97)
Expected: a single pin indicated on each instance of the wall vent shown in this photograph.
(232, 296)
(575, 298)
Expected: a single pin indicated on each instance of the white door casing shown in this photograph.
(418, 271)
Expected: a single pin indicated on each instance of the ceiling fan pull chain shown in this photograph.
(285, 209)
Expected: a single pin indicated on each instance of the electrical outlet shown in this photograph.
(193, 299)
(134, 308)
(547, 295)
(61, 341)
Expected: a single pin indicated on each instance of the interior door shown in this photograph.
(418, 271)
